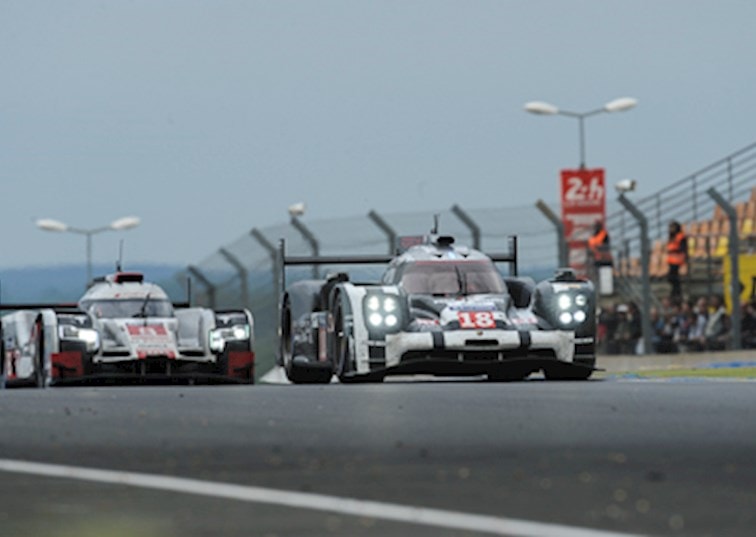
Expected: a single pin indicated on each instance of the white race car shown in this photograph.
(439, 310)
(125, 328)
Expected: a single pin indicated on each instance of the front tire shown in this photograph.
(342, 346)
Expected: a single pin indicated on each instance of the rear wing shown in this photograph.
(285, 260)
(66, 307)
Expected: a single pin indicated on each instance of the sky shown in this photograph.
(208, 118)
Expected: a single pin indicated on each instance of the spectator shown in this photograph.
(623, 336)
(666, 327)
(636, 330)
(677, 258)
(608, 320)
(657, 325)
(748, 325)
(683, 324)
(717, 325)
(696, 338)
(602, 322)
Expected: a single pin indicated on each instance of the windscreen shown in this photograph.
(444, 278)
(122, 308)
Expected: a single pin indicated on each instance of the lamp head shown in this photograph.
(48, 224)
(297, 209)
(621, 104)
(541, 108)
(127, 222)
(625, 185)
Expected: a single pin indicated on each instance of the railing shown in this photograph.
(686, 200)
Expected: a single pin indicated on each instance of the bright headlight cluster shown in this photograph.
(572, 308)
(220, 336)
(90, 337)
(382, 311)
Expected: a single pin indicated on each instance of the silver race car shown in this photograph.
(124, 327)
(440, 310)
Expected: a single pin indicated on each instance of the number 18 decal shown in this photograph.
(476, 319)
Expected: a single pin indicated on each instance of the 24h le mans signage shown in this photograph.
(583, 203)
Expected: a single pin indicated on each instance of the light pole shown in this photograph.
(127, 222)
(295, 211)
(546, 109)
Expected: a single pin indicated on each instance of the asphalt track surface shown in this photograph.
(652, 458)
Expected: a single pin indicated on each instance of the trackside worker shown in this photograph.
(677, 257)
(598, 245)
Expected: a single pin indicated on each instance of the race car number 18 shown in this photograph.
(476, 319)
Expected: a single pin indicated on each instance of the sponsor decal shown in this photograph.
(151, 340)
(472, 306)
(146, 353)
(150, 330)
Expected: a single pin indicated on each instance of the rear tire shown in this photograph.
(303, 375)
(40, 375)
(295, 373)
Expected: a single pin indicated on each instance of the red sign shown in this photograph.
(583, 203)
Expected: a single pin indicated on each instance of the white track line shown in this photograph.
(302, 500)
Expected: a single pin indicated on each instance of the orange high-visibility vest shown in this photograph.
(599, 246)
(595, 242)
(675, 253)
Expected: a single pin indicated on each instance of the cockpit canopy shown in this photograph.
(450, 278)
(124, 308)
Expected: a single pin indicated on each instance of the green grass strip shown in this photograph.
(721, 372)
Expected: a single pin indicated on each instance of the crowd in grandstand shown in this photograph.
(684, 326)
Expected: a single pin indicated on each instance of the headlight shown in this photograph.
(241, 331)
(382, 312)
(571, 307)
(90, 337)
(373, 303)
(220, 336)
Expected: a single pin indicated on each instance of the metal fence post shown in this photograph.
(379, 221)
(243, 274)
(470, 223)
(562, 260)
(311, 240)
(273, 254)
(734, 250)
(645, 277)
(210, 288)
